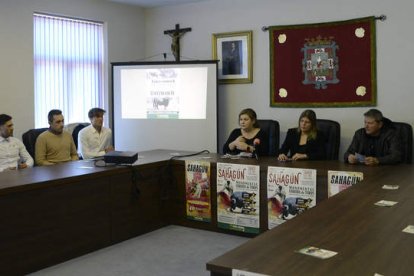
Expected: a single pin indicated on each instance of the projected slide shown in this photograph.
(164, 93)
(165, 105)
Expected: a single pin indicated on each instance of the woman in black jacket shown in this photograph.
(305, 141)
(249, 137)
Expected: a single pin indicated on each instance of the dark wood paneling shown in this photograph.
(136, 203)
(54, 213)
(44, 227)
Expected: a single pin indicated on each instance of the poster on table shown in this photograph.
(341, 180)
(197, 187)
(290, 192)
(238, 197)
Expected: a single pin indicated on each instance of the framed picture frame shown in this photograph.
(234, 52)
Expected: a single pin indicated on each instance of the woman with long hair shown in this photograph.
(305, 141)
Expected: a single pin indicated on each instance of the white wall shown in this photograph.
(394, 52)
(125, 32)
(134, 34)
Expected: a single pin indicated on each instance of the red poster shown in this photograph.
(325, 64)
(197, 185)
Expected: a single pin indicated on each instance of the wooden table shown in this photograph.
(51, 214)
(368, 238)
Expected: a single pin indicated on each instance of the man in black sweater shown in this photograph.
(377, 143)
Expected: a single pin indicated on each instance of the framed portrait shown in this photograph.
(234, 53)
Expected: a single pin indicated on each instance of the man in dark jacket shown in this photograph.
(377, 143)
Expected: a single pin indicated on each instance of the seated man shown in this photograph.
(95, 140)
(55, 145)
(377, 143)
(13, 154)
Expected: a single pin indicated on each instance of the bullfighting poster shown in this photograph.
(290, 192)
(323, 64)
(197, 186)
(238, 197)
(341, 180)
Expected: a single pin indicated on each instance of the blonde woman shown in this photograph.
(305, 141)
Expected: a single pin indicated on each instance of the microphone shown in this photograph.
(256, 144)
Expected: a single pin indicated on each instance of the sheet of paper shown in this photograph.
(360, 157)
(409, 229)
(390, 187)
(237, 272)
(317, 252)
(386, 203)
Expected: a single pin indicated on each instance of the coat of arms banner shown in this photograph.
(324, 65)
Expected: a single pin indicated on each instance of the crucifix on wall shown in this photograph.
(175, 36)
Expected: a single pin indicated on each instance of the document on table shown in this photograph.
(390, 187)
(317, 252)
(409, 229)
(385, 203)
(237, 272)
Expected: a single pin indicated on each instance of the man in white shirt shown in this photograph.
(13, 154)
(95, 140)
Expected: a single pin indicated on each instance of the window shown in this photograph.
(68, 67)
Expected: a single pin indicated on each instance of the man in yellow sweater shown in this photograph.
(55, 145)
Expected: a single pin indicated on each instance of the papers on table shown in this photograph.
(238, 156)
(237, 272)
(409, 229)
(390, 187)
(385, 203)
(317, 252)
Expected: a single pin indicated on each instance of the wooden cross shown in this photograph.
(175, 35)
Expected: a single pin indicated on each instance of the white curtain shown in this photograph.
(68, 67)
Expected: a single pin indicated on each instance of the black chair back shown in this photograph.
(272, 128)
(405, 131)
(29, 139)
(76, 132)
(332, 131)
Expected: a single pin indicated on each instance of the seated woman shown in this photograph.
(249, 137)
(305, 141)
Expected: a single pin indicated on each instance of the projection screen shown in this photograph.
(164, 105)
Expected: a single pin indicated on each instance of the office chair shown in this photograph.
(272, 128)
(332, 131)
(76, 130)
(29, 139)
(70, 127)
(405, 132)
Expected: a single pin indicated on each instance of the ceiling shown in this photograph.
(155, 3)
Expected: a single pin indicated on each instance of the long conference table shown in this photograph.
(52, 214)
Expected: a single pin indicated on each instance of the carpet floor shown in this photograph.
(170, 251)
